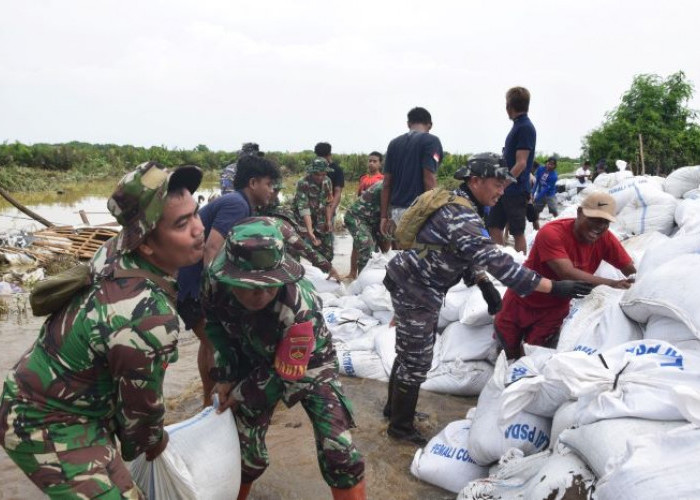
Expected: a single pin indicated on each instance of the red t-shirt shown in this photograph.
(556, 240)
(367, 180)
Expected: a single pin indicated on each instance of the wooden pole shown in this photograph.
(24, 209)
(641, 153)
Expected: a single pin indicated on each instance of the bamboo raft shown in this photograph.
(78, 242)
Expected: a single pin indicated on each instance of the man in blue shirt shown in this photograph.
(545, 189)
(409, 168)
(253, 184)
(519, 153)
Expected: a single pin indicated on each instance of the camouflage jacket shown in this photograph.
(245, 341)
(312, 199)
(98, 365)
(367, 207)
(466, 245)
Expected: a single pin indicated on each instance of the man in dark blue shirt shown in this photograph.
(409, 167)
(519, 153)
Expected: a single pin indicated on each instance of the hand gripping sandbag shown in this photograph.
(201, 462)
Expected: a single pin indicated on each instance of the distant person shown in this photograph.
(410, 167)
(95, 373)
(600, 168)
(335, 174)
(519, 154)
(545, 189)
(313, 206)
(374, 172)
(564, 249)
(362, 221)
(459, 246)
(583, 173)
(228, 174)
(273, 346)
(252, 188)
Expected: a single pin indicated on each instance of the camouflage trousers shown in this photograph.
(364, 239)
(95, 471)
(326, 246)
(416, 327)
(330, 412)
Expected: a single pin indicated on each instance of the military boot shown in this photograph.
(392, 378)
(403, 409)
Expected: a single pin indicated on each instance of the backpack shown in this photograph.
(53, 293)
(418, 213)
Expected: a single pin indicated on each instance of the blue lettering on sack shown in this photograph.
(347, 364)
(676, 359)
(586, 349)
(442, 450)
(517, 372)
(522, 432)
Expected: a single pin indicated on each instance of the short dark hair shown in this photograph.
(420, 115)
(251, 167)
(377, 154)
(518, 98)
(322, 149)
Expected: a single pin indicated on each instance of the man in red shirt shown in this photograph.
(564, 249)
(374, 172)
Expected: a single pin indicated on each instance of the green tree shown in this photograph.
(658, 110)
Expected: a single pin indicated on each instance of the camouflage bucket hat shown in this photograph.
(256, 257)
(249, 148)
(318, 165)
(485, 165)
(138, 201)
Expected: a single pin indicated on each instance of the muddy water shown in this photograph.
(294, 472)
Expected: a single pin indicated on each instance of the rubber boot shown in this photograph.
(403, 409)
(392, 378)
(357, 492)
(244, 490)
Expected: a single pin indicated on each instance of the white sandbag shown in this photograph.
(613, 179)
(474, 310)
(452, 303)
(547, 475)
(385, 347)
(460, 341)
(526, 432)
(202, 461)
(347, 324)
(384, 317)
(668, 329)
(347, 302)
(329, 299)
(564, 418)
(660, 254)
(363, 342)
(666, 291)
(374, 272)
(687, 216)
(629, 189)
(445, 460)
(377, 297)
(693, 194)
(361, 364)
(682, 180)
(599, 442)
(460, 378)
(611, 329)
(321, 282)
(655, 467)
(631, 380)
(649, 210)
(688, 401)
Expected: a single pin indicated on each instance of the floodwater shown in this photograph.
(294, 472)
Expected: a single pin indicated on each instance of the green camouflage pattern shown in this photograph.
(95, 372)
(485, 165)
(138, 201)
(313, 199)
(245, 343)
(362, 221)
(255, 256)
(318, 165)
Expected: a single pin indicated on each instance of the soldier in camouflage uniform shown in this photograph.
(362, 221)
(458, 243)
(296, 246)
(312, 207)
(228, 173)
(96, 371)
(271, 343)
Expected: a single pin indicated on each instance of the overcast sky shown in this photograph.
(287, 74)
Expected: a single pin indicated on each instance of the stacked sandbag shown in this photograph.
(687, 216)
(682, 180)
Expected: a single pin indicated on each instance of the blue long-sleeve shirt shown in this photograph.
(545, 183)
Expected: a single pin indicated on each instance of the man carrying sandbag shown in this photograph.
(96, 371)
(271, 343)
(570, 249)
(452, 243)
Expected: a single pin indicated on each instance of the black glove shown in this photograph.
(571, 288)
(491, 296)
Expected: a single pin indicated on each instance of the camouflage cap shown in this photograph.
(318, 165)
(485, 165)
(138, 201)
(256, 256)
